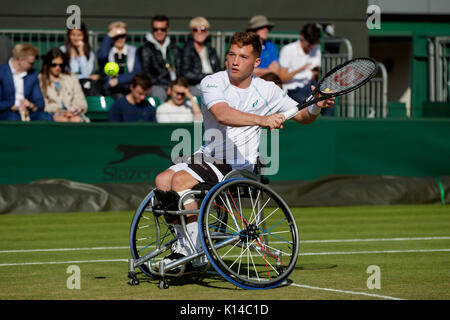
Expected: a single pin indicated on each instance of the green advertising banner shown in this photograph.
(129, 152)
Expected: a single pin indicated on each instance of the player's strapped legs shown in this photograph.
(203, 171)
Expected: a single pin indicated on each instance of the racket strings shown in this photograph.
(349, 76)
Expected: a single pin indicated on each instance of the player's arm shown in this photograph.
(229, 116)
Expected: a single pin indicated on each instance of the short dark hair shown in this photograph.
(160, 18)
(311, 33)
(247, 38)
(143, 80)
(179, 82)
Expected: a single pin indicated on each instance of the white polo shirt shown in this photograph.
(19, 88)
(238, 145)
(293, 57)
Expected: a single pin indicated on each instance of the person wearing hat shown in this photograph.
(269, 55)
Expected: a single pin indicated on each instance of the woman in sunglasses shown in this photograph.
(198, 58)
(62, 92)
(114, 48)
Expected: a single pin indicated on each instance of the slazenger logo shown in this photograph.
(348, 77)
(126, 173)
(211, 86)
(129, 151)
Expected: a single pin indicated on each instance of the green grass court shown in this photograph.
(409, 244)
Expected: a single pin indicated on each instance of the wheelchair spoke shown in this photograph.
(261, 249)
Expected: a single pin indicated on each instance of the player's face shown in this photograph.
(241, 61)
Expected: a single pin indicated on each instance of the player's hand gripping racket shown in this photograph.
(340, 80)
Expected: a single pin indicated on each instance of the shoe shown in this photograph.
(178, 252)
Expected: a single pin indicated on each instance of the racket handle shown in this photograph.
(290, 113)
(306, 102)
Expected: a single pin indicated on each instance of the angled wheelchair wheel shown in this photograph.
(148, 232)
(249, 234)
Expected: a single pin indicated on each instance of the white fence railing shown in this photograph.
(439, 69)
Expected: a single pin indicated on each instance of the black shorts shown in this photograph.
(203, 169)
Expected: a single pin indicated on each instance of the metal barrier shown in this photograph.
(439, 69)
(367, 102)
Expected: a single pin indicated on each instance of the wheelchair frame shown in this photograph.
(177, 268)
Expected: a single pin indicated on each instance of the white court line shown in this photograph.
(376, 239)
(301, 241)
(301, 254)
(346, 292)
(63, 249)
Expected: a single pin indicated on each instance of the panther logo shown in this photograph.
(130, 151)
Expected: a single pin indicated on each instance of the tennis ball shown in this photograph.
(111, 69)
(327, 89)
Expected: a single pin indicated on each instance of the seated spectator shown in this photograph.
(300, 64)
(63, 96)
(269, 54)
(20, 95)
(178, 108)
(272, 77)
(114, 48)
(81, 60)
(134, 106)
(198, 59)
(160, 57)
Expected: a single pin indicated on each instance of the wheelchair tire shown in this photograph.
(256, 247)
(143, 232)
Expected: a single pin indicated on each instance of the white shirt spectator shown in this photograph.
(293, 57)
(170, 113)
(18, 84)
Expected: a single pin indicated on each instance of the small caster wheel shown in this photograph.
(163, 284)
(134, 282)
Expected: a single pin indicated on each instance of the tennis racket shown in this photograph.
(340, 80)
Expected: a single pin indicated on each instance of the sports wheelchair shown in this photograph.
(247, 231)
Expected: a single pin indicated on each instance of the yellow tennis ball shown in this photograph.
(327, 89)
(111, 69)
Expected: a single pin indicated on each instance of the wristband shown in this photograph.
(314, 109)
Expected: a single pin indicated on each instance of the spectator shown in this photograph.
(198, 59)
(81, 59)
(160, 57)
(300, 63)
(63, 96)
(114, 48)
(134, 106)
(178, 108)
(269, 55)
(272, 77)
(20, 95)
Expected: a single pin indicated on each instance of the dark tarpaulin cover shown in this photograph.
(59, 195)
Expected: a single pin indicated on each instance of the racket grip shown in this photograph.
(290, 113)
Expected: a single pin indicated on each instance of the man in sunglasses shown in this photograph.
(160, 57)
(114, 48)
